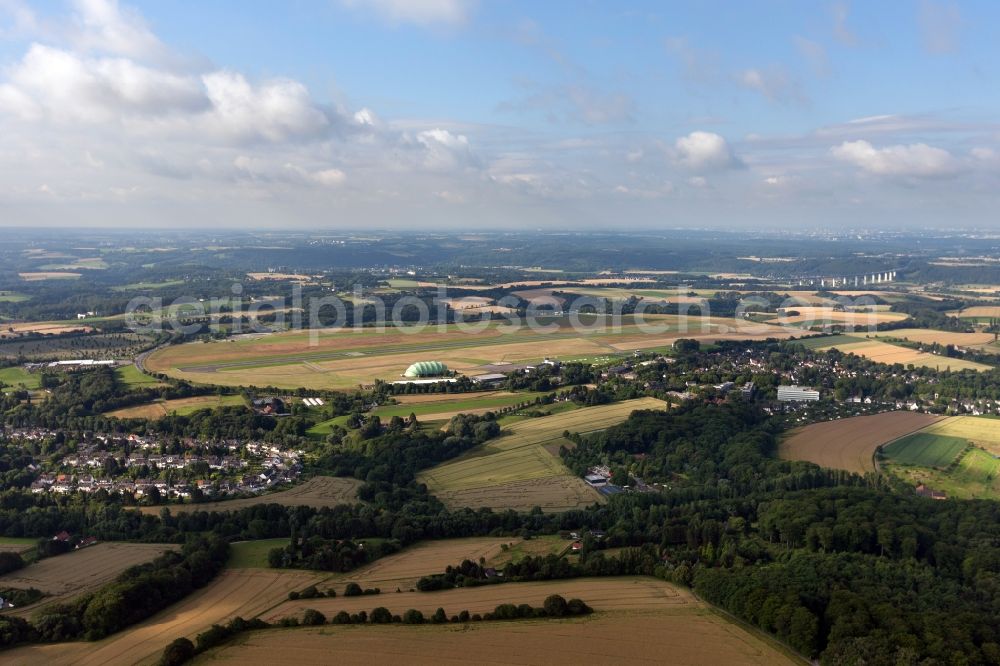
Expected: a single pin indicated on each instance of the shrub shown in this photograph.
(178, 652)
(413, 616)
(577, 607)
(380, 615)
(10, 562)
(312, 617)
(353, 590)
(439, 616)
(555, 605)
(343, 617)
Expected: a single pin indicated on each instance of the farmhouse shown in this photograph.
(925, 491)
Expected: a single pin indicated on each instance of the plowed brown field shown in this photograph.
(850, 443)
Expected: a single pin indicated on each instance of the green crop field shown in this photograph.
(925, 449)
(826, 341)
(956, 455)
(252, 554)
(521, 469)
(178, 406)
(131, 375)
(12, 297)
(982, 431)
(17, 376)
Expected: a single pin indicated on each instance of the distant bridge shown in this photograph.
(865, 280)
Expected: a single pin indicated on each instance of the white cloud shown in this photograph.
(106, 27)
(704, 151)
(913, 160)
(329, 177)
(276, 110)
(57, 84)
(418, 12)
(444, 151)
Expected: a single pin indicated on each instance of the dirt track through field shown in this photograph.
(850, 443)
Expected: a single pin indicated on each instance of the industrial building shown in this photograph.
(795, 393)
(426, 369)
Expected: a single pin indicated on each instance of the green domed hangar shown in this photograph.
(426, 369)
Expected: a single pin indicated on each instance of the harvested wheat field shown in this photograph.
(78, 572)
(44, 328)
(180, 406)
(35, 276)
(245, 593)
(552, 494)
(883, 352)
(483, 476)
(849, 444)
(319, 492)
(986, 311)
(605, 594)
(673, 628)
(927, 336)
(405, 568)
(825, 316)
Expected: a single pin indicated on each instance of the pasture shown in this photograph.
(348, 357)
(883, 352)
(517, 470)
(849, 444)
(132, 376)
(318, 492)
(78, 572)
(7, 296)
(18, 376)
(179, 406)
(252, 554)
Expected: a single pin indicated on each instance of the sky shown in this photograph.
(481, 115)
